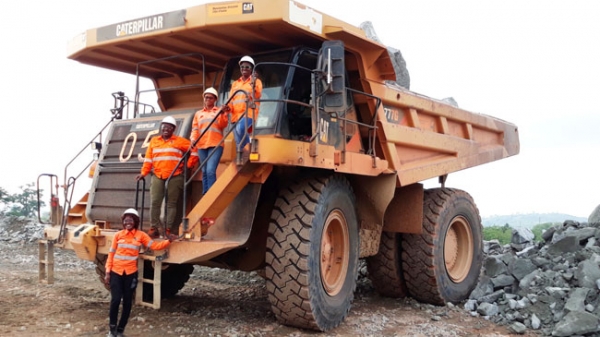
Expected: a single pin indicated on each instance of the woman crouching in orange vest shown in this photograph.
(121, 267)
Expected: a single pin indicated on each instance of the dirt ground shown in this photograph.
(213, 303)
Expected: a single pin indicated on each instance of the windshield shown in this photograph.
(273, 78)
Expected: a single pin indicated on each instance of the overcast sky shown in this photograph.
(535, 63)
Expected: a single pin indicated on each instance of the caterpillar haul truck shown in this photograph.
(333, 172)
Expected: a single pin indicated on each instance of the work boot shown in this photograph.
(205, 224)
(112, 331)
(154, 232)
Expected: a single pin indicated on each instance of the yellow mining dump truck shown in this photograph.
(332, 173)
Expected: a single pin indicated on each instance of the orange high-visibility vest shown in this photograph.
(125, 249)
(214, 134)
(163, 155)
(238, 103)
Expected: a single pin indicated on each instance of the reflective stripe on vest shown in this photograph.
(125, 257)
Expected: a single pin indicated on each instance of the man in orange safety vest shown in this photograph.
(163, 155)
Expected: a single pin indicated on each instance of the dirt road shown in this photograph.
(213, 303)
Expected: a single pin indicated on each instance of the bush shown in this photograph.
(540, 228)
(501, 233)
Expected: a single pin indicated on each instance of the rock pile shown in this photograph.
(551, 286)
(20, 230)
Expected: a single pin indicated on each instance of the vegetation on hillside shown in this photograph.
(504, 233)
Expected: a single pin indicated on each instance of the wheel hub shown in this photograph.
(335, 250)
(458, 249)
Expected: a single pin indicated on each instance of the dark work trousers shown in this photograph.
(157, 194)
(121, 287)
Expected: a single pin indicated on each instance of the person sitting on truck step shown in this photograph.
(237, 106)
(121, 268)
(162, 156)
(209, 142)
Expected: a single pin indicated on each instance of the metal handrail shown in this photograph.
(53, 196)
(186, 155)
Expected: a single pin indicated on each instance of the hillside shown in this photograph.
(528, 220)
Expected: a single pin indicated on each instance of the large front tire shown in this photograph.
(443, 263)
(312, 253)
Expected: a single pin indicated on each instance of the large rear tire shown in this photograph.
(312, 253)
(443, 264)
(385, 268)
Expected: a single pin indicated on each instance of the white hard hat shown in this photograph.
(131, 211)
(212, 91)
(169, 120)
(247, 59)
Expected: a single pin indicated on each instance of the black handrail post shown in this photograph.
(137, 193)
(185, 219)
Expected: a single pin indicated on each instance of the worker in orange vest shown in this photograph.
(237, 106)
(212, 134)
(162, 157)
(121, 267)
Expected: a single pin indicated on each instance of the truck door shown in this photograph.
(336, 116)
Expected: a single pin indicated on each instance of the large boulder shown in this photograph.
(594, 218)
(402, 76)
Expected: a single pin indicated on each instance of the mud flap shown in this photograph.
(235, 223)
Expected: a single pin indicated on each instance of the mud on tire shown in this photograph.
(443, 264)
(312, 253)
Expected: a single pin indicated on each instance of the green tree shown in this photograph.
(4, 200)
(3, 196)
(23, 203)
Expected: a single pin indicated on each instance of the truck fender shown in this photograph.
(373, 194)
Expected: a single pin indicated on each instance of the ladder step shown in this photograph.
(46, 262)
(156, 283)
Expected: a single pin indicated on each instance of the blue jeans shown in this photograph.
(240, 131)
(209, 171)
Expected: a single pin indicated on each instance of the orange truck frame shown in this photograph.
(332, 174)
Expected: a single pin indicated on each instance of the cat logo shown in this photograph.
(324, 131)
(247, 8)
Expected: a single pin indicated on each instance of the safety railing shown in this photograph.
(69, 180)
